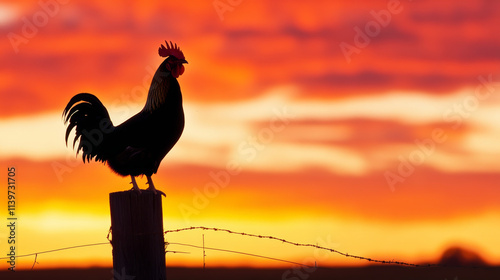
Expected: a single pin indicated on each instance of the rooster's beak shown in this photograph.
(184, 61)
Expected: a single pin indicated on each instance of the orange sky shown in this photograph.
(385, 143)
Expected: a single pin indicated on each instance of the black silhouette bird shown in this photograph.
(138, 145)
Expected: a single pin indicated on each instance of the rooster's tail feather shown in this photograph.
(86, 113)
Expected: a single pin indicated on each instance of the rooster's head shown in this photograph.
(175, 58)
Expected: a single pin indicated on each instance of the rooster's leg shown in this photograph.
(135, 187)
(152, 186)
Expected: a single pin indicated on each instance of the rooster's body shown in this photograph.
(138, 145)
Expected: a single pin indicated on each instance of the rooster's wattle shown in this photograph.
(138, 145)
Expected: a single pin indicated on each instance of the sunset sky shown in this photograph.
(370, 127)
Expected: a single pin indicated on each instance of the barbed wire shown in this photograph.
(302, 245)
(393, 262)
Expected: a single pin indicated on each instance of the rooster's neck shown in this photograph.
(162, 92)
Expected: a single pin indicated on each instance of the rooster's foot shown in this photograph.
(135, 187)
(152, 187)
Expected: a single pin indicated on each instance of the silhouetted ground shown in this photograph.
(365, 273)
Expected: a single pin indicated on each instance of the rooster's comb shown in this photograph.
(173, 49)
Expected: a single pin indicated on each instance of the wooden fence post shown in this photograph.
(137, 235)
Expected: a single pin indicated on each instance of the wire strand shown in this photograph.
(55, 250)
(238, 252)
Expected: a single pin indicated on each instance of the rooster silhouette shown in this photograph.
(138, 145)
